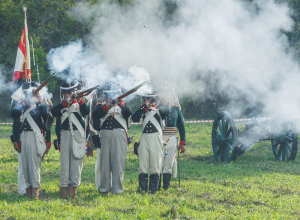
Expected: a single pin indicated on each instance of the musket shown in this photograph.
(128, 92)
(35, 91)
(84, 92)
(178, 163)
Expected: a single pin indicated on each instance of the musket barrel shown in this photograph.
(131, 91)
(84, 92)
(44, 83)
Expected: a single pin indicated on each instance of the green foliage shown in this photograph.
(253, 187)
(50, 26)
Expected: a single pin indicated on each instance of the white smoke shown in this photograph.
(5, 86)
(73, 61)
(236, 47)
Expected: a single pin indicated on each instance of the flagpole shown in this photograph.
(25, 23)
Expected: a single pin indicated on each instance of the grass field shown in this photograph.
(255, 186)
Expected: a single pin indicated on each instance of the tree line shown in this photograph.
(50, 27)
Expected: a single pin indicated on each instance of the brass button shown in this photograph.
(147, 126)
(106, 127)
(150, 126)
(150, 130)
(111, 122)
(110, 126)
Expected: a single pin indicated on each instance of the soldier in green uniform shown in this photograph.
(32, 114)
(71, 128)
(150, 150)
(173, 122)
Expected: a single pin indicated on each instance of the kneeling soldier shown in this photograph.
(32, 114)
(150, 150)
(113, 137)
(70, 112)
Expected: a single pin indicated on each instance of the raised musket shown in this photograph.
(84, 92)
(128, 92)
(35, 91)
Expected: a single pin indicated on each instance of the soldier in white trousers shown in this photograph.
(150, 150)
(15, 139)
(32, 146)
(113, 138)
(71, 111)
(173, 123)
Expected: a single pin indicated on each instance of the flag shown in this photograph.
(22, 71)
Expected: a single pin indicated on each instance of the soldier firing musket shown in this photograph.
(150, 151)
(70, 126)
(113, 116)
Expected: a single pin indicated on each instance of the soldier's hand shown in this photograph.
(17, 146)
(48, 145)
(119, 101)
(78, 98)
(182, 148)
(108, 105)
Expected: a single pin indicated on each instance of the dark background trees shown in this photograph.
(50, 27)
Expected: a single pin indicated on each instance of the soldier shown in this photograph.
(150, 150)
(91, 100)
(32, 114)
(113, 136)
(172, 122)
(15, 139)
(71, 127)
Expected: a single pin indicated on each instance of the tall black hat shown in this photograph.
(112, 90)
(68, 86)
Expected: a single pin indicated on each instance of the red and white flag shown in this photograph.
(22, 65)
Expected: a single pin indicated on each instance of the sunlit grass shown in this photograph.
(255, 186)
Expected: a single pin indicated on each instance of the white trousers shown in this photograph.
(112, 160)
(97, 169)
(21, 178)
(70, 167)
(169, 156)
(150, 153)
(31, 161)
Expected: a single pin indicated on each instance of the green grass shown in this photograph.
(255, 186)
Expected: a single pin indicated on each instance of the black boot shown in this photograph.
(154, 178)
(159, 182)
(143, 181)
(166, 181)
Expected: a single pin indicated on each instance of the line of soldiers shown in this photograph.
(78, 119)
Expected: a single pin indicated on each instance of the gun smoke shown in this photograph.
(236, 48)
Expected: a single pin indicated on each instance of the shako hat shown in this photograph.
(68, 86)
(112, 90)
